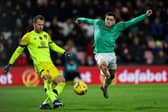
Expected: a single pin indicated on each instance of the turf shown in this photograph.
(123, 98)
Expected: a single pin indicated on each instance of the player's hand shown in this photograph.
(68, 55)
(6, 68)
(149, 12)
(77, 22)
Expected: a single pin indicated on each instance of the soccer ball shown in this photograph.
(80, 88)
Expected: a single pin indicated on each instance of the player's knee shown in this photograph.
(46, 77)
(103, 65)
(62, 79)
(59, 79)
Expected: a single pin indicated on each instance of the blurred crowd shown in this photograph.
(143, 43)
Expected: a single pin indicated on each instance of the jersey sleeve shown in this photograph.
(123, 25)
(85, 20)
(88, 20)
(24, 40)
(54, 47)
(16, 54)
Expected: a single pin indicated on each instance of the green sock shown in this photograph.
(107, 81)
(48, 90)
(59, 88)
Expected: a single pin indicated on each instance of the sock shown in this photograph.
(107, 81)
(48, 89)
(48, 85)
(59, 88)
(47, 100)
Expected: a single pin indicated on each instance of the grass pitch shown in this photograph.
(123, 98)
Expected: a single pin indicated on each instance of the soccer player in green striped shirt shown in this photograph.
(39, 43)
(106, 33)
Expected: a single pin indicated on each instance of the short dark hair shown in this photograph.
(110, 14)
(38, 17)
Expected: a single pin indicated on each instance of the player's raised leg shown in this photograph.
(107, 65)
(58, 79)
(48, 78)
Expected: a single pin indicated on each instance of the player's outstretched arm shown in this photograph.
(60, 50)
(23, 43)
(13, 58)
(56, 48)
(84, 20)
(136, 19)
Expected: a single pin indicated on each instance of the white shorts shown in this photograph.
(108, 58)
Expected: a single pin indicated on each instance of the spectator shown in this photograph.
(161, 58)
(15, 14)
(157, 29)
(149, 57)
(71, 72)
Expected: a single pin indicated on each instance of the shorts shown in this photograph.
(108, 58)
(47, 69)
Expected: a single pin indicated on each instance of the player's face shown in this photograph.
(38, 25)
(109, 21)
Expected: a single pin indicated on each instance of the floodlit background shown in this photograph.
(144, 43)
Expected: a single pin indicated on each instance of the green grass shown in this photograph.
(123, 98)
